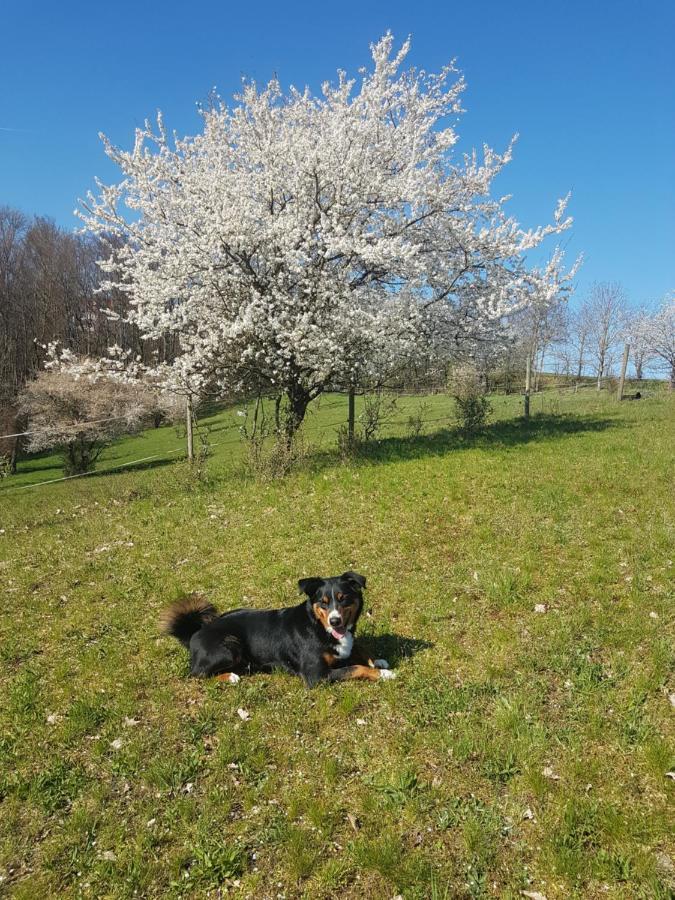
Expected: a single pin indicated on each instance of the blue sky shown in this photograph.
(589, 86)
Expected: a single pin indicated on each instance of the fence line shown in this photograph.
(167, 453)
(133, 462)
(74, 425)
(543, 390)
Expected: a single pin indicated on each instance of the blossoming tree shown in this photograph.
(660, 337)
(303, 240)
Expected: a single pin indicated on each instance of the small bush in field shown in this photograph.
(269, 452)
(472, 407)
(416, 421)
(79, 416)
(378, 409)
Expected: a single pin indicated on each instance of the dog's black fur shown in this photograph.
(298, 639)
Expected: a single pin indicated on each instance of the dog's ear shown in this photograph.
(310, 586)
(355, 578)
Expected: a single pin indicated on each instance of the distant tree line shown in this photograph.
(580, 341)
(49, 292)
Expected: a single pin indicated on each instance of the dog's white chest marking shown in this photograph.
(343, 648)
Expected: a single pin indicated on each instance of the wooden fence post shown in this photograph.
(188, 423)
(527, 386)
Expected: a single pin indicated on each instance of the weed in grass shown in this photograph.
(85, 716)
(213, 861)
(399, 788)
(329, 879)
(301, 851)
(55, 787)
(25, 696)
(383, 855)
(171, 772)
(576, 838)
(350, 700)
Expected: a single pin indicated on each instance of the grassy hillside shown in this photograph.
(520, 583)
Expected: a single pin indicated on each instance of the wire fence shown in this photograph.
(167, 454)
(75, 426)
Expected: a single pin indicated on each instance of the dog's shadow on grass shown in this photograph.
(394, 647)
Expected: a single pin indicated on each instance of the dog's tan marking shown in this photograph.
(329, 658)
(232, 677)
(321, 614)
(351, 673)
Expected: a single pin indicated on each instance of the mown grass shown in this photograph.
(517, 750)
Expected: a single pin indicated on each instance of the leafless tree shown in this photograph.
(605, 311)
(578, 331)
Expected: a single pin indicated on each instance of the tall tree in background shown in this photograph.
(300, 239)
(578, 332)
(605, 310)
(637, 336)
(660, 337)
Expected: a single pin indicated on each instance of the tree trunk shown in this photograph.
(601, 367)
(14, 455)
(624, 363)
(638, 367)
(298, 401)
(580, 366)
(351, 419)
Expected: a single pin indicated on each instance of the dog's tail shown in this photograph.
(186, 616)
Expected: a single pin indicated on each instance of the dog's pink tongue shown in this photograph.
(338, 633)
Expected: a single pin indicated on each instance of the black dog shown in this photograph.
(314, 639)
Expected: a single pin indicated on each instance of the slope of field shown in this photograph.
(520, 583)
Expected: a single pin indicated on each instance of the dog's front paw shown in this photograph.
(230, 677)
(381, 664)
(386, 673)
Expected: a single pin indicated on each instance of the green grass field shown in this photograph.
(518, 749)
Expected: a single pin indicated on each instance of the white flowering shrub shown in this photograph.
(73, 407)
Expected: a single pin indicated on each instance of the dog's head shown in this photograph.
(335, 603)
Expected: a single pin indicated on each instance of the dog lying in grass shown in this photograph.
(314, 639)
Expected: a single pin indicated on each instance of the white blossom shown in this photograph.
(300, 240)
